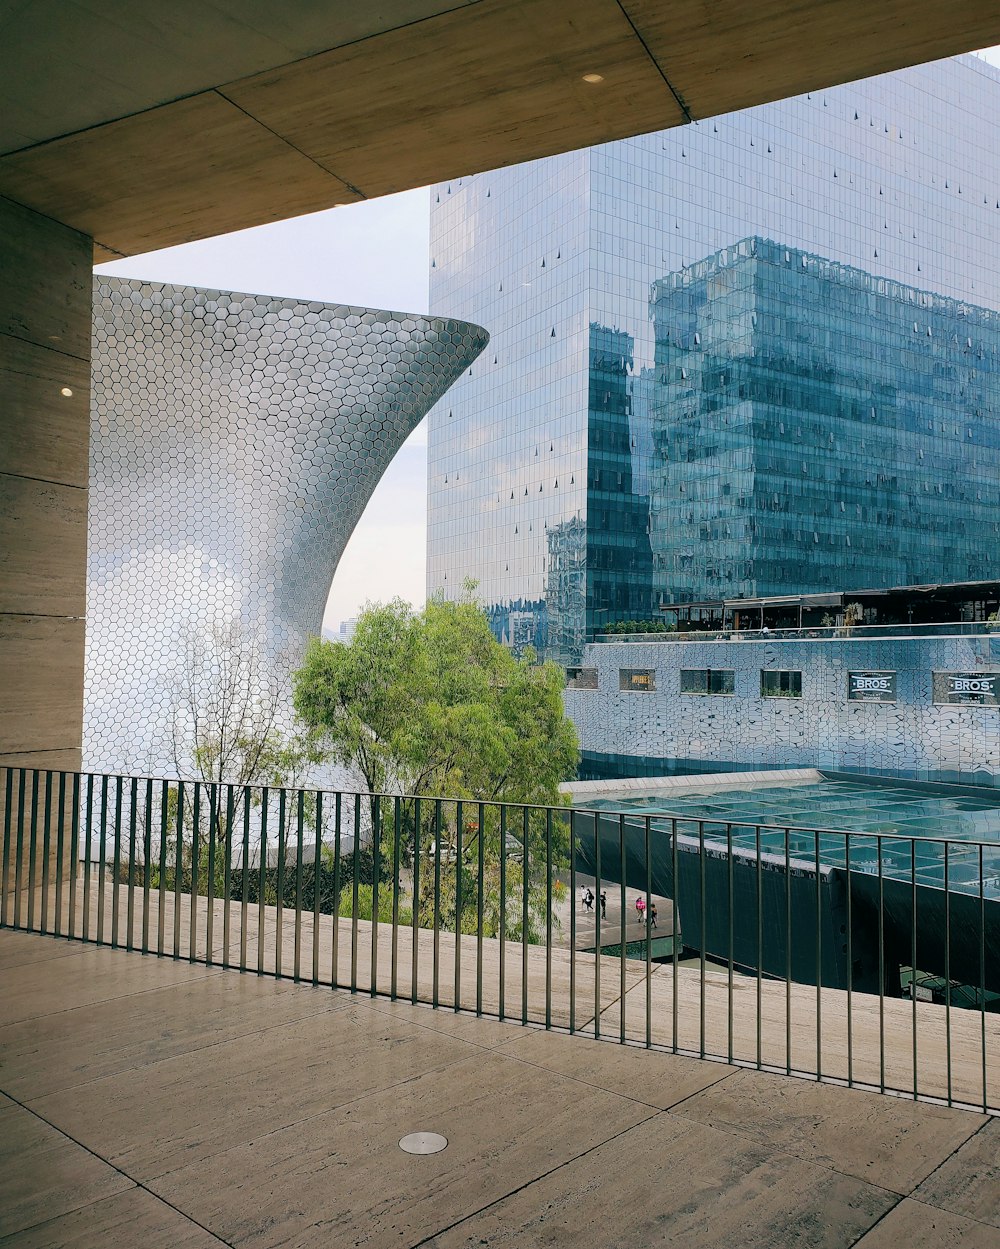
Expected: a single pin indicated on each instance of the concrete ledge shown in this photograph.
(629, 787)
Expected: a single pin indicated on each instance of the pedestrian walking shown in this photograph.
(652, 914)
(588, 899)
(604, 904)
(640, 908)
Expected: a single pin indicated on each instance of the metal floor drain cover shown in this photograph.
(423, 1143)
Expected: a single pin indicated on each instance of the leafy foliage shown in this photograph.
(430, 703)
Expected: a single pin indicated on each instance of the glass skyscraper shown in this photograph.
(754, 355)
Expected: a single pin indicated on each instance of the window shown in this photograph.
(780, 684)
(581, 678)
(637, 680)
(708, 681)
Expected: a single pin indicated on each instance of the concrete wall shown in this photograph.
(910, 738)
(45, 313)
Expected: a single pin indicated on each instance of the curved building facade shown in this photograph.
(235, 442)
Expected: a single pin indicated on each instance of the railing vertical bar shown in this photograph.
(376, 885)
(502, 969)
(525, 866)
(459, 857)
(116, 862)
(8, 824)
(214, 794)
(676, 945)
(22, 782)
(195, 871)
(572, 922)
(819, 956)
(245, 879)
(73, 853)
(435, 988)
(850, 962)
(46, 850)
(161, 884)
(982, 973)
(502, 987)
(133, 819)
(649, 938)
(913, 960)
(279, 893)
(760, 947)
(317, 870)
(338, 812)
(548, 918)
(102, 849)
(622, 965)
(89, 820)
(597, 925)
(480, 900)
(730, 903)
(881, 966)
(178, 868)
(147, 866)
(396, 869)
(947, 970)
(265, 804)
(32, 849)
(300, 811)
(355, 881)
(60, 851)
(415, 926)
(788, 956)
(227, 877)
(703, 904)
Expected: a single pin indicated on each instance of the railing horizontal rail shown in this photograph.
(870, 959)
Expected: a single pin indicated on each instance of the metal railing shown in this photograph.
(842, 632)
(867, 959)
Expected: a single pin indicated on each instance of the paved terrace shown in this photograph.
(151, 1102)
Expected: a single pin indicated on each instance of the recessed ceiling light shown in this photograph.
(66, 392)
(593, 78)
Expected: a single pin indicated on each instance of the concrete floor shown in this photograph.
(147, 1102)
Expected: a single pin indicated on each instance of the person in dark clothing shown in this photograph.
(652, 914)
(604, 904)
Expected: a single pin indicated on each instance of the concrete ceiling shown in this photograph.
(146, 125)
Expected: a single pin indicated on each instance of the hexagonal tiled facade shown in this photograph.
(235, 441)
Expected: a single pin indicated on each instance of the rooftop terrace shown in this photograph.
(162, 1103)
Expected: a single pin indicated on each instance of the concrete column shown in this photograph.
(45, 313)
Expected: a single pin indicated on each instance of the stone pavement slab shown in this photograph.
(198, 1104)
(45, 1174)
(341, 1179)
(673, 1181)
(886, 1140)
(134, 1219)
(636, 1073)
(161, 1023)
(919, 1226)
(969, 1181)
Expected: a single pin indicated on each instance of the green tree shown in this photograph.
(429, 704)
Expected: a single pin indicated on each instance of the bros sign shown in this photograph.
(871, 687)
(967, 687)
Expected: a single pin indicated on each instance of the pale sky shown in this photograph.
(374, 254)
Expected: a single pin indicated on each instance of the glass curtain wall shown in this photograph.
(721, 419)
